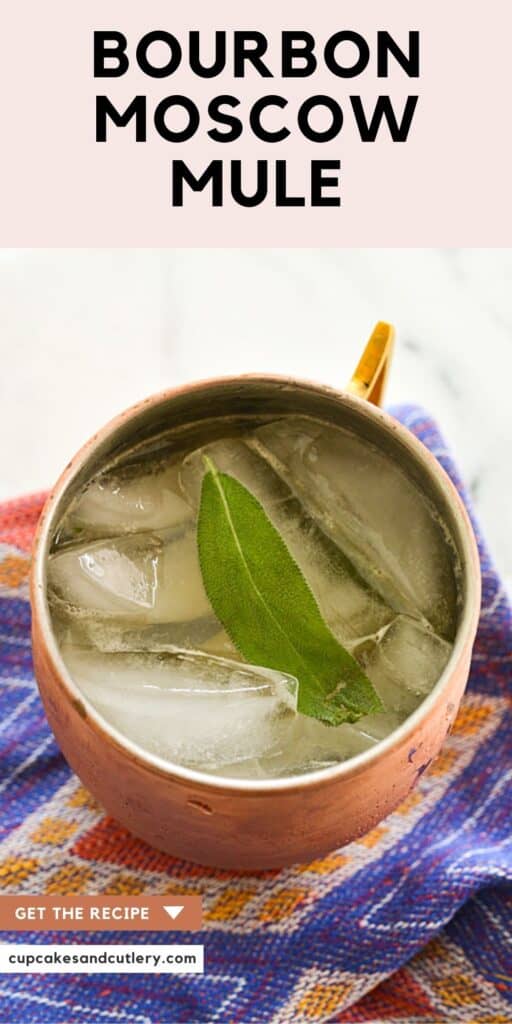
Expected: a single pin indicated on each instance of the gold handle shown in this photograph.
(371, 373)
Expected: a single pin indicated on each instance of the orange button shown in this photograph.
(100, 913)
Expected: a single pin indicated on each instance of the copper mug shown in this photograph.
(258, 824)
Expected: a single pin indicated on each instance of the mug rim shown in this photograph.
(175, 773)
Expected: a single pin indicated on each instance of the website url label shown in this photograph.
(100, 959)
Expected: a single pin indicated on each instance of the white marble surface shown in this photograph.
(87, 332)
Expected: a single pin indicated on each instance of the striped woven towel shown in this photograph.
(412, 923)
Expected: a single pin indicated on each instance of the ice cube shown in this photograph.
(404, 663)
(249, 768)
(111, 636)
(288, 439)
(314, 745)
(377, 726)
(221, 645)
(370, 507)
(144, 578)
(127, 499)
(188, 707)
(232, 455)
(348, 604)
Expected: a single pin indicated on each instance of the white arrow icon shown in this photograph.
(173, 911)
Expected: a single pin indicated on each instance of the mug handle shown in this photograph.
(371, 373)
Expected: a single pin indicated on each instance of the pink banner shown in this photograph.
(328, 124)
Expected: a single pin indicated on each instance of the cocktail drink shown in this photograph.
(157, 595)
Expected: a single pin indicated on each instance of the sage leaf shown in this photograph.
(261, 597)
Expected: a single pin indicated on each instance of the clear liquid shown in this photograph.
(141, 640)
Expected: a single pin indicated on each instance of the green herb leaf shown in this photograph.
(265, 605)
